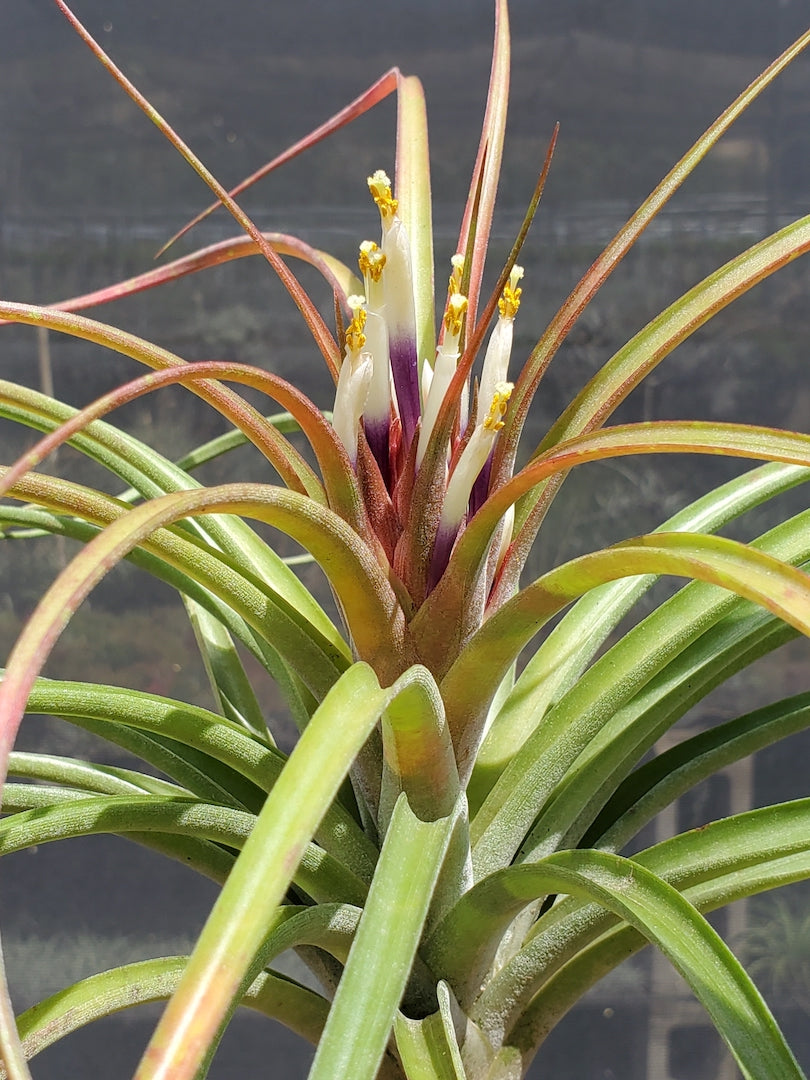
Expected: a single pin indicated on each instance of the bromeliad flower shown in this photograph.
(477, 797)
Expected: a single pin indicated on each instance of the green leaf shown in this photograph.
(241, 916)
(442, 624)
(418, 752)
(486, 658)
(562, 657)
(289, 463)
(217, 740)
(88, 776)
(365, 1006)
(573, 945)
(658, 911)
(608, 697)
(246, 604)
(371, 608)
(597, 274)
(229, 683)
(146, 981)
(151, 474)
(59, 814)
(429, 1048)
(632, 363)
(669, 775)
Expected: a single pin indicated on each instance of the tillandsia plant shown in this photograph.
(443, 844)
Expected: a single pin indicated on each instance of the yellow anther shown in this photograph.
(371, 260)
(454, 313)
(355, 338)
(494, 421)
(510, 298)
(454, 284)
(380, 187)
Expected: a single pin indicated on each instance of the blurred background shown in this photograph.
(89, 191)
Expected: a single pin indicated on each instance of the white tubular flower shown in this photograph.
(353, 381)
(472, 460)
(469, 465)
(378, 406)
(447, 356)
(499, 349)
(400, 312)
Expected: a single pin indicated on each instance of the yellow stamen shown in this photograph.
(454, 285)
(454, 313)
(371, 260)
(493, 421)
(355, 338)
(380, 187)
(510, 298)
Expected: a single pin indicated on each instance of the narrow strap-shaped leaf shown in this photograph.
(276, 996)
(670, 774)
(478, 212)
(636, 727)
(664, 917)
(429, 1048)
(87, 775)
(418, 761)
(238, 923)
(603, 699)
(418, 751)
(229, 606)
(473, 240)
(632, 363)
(610, 258)
(197, 771)
(370, 605)
(642, 353)
(441, 618)
(364, 1009)
(378, 91)
(576, 943)
(205, 857)
(229, 683)
(486, 658)
(289, 463)
(415, 208)
(217, 739)
(152, 474)
(340, 481)
(58, 815)
(310, 313)
(337, 274)
(564, 654)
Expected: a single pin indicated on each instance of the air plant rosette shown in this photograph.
(443, 843)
